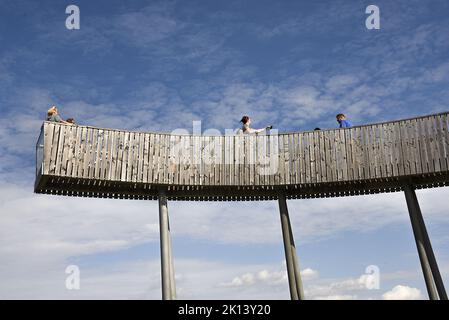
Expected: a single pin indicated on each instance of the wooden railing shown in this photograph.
(380, 152)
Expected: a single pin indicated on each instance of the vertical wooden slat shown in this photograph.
(60, 150)
(327, 151)
(99, 156)
(412, 133)
(70, 152)
(343, 155)
(146, 158)
(76, 153)
(151, 158)
(93, 151)
(115, 140)
(445, 135)
(83, 159)
(433, 141)
(49, 129)
(349, 161)
(441, 141)
(423, 146)
(124, 156)
(141, 160)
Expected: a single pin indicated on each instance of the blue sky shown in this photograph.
(158, 66)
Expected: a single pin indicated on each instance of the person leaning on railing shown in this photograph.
(342, 121)
(53, 115)
(246, 129)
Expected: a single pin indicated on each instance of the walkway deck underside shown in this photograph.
(383, 157)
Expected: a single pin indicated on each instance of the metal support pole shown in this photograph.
(294, 276)
(432, 276)
(167, 270)
(172, 268)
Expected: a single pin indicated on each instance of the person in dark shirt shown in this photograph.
(343, 123)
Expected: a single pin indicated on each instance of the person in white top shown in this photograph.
(246, 122)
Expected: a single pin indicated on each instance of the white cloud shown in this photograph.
(267, 277)
(401, 292)
(309, 274)
(340, 82)
(337, 297)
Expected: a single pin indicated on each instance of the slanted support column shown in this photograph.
(432, 276)
(294, 276)
(167, 268)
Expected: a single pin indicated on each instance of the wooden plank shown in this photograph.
(226, 160)
(445, 134)
(86, 154)
(175, 157)
(60, 150)
(166, 142)
(302, 158)
(68, 151)
(422, 146)
(115, 140)
(99, 154)
(207, 159)
(151, 158)
(286, 151)
(375, 148)
(104, 160)
(54, 149)
(388, 147)
(427, 146)
(94, 158)
(293, 153)
(121, 144)
(441, 142)
(348, 149)
(105, 154)
(365, 156)
(124, 156)
(76, 153)
(196, 156)
(214, 166)
(237, 143)
(193, 172)
(382, 161)
(406, 147)
(291, 158)
(156, 158)
(146, 158)
(328, 155)
(49, 129)
(433, 141)
(280, 177)
(313, 169)
(307, 162)
(141, 159)
(320, 155)
(132, 155)
(343, 156)
(82, 154)
(337, 155)
(412, 133)
(261, 159)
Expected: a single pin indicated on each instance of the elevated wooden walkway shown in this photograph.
(382, 157)
(392, 156)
